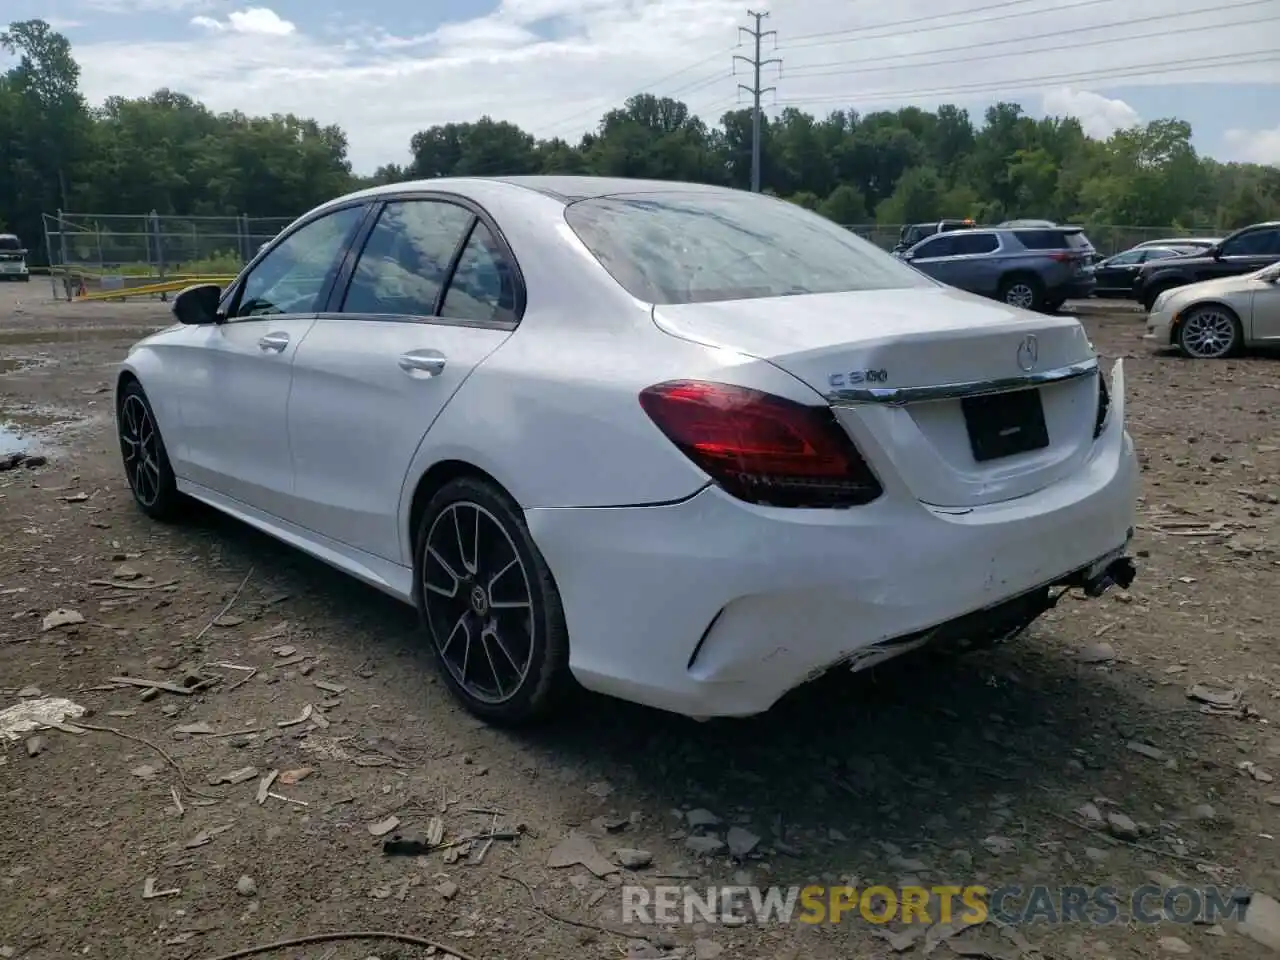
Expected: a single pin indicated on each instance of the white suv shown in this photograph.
(13, 259)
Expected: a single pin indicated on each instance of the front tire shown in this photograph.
(1210, 332)
(490, 605)
(146, 461)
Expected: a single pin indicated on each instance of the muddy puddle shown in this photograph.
(27, 430)
(17, 364)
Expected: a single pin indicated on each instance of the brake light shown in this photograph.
(1104, 406)
(1062, 257)
(762, 448)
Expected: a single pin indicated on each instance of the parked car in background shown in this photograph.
(1035, 268)
(801, 454)
(13, 259)
(1201, 243)
(1248, 249)
(1115, 275)
(1218, 318)
(913, 233)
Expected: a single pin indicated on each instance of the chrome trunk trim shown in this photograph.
(897, 396)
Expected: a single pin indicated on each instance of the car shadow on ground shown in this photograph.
(930, 750)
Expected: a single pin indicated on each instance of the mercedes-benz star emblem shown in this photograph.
(1028, 353)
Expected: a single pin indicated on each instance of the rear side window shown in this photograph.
(975, 243)
(483, 287)
(692, 247)
(1053, 239)
(403, 265)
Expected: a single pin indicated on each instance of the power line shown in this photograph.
(561, 123)
(826, 39)
(804, 71)
(755, 90)
(1019, 84)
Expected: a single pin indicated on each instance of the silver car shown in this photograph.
(1218, 318)
(1035, 268)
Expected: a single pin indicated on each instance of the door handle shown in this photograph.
(430, 362)
(276, 341)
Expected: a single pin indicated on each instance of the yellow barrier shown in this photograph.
(169, 286)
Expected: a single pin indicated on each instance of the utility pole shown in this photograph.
(755, 89)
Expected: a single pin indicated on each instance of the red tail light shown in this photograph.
(762, 448)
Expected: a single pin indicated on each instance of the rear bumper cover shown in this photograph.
(714, 607)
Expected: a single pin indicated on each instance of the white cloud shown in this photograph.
(1254, 146)
(253, 20)
(383, 83)
(1099, 116)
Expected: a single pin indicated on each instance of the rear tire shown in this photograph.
(146, 461)
(1022, 291)
(490, 606)
(1210, 332)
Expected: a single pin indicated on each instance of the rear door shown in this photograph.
(1116, 273)
(433, 292)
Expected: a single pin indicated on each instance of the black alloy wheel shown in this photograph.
(146, 462)
(490, 605)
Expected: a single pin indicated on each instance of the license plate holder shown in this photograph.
(1005, 424)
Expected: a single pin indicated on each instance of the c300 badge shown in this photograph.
(857, 377)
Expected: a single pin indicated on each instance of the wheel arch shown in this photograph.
(1205, 302)
(428, 483)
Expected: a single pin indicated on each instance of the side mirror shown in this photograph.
(907, 255)
(1215, 252)
(198, 305)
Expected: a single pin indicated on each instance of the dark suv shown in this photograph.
(1248, 249)
(1032, 268)
(913, 233)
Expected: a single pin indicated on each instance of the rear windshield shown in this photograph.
(10, 242)
(677, 247)
(1053, 239)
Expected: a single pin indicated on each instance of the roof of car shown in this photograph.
(563, 188)
(569, 189)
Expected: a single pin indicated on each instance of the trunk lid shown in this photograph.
(855, 348)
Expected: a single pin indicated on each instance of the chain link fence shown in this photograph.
(89, 251)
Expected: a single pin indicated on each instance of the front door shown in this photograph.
(237, 373)
(432, 294)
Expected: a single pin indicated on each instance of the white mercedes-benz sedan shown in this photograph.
(683, 445)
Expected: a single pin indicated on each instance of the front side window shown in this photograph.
(1255, 243)
(405, 262)
(940, 246)
(483, 287)
(672, 247)
(294, 275)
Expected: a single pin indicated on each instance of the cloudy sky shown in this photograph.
(384, 69)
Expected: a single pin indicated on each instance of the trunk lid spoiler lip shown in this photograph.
(899, 396)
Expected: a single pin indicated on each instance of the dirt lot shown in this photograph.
(932, 770)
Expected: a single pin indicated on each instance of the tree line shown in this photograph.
(169, 153)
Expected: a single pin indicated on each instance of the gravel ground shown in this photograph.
(1075, 756)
